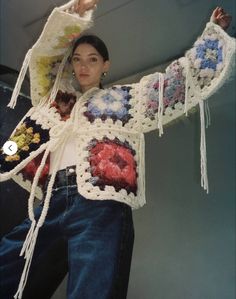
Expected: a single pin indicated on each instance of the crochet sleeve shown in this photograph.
(48, 58)
(187, 81)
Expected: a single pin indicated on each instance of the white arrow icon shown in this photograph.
(9, 148)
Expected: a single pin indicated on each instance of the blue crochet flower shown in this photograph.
(113, 104)
(174, 90)
(210, 53)
(94, 110)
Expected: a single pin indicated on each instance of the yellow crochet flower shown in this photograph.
(29, 130)
(21, 129)
(47, 67)
(12, 158)
(23, 137)
(36, 140)
(20, 140)
(25, 148)
(70, 33)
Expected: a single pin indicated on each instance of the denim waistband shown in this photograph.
(64, 177)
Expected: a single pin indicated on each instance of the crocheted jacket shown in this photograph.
(108, 125)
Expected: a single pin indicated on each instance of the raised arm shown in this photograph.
(190, 79)
(47, 59)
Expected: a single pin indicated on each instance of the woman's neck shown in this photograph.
(86, 88)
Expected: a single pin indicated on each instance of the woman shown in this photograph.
(85, 149)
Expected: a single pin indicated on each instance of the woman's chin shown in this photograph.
(87, 85)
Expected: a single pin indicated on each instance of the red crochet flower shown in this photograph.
(30, 169)
(114, 165)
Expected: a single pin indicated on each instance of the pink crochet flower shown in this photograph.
(113, 164)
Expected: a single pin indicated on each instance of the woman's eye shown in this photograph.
(75, 59)
(93, 59)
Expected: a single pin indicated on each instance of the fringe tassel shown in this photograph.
(186, 88)
(208, 114)
(204, 177)
(142, 164)
(30, 241)
(34, 184)
(28, 261)
(20, 80)
(50, 185)
(160, 106)
(59, 75)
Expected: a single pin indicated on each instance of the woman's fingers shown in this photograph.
(83, 5)
(224, 20)
(220, 17)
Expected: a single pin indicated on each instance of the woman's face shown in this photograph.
(88, 66)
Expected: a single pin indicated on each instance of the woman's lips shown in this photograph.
(83, 75)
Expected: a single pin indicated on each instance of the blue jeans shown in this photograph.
(99, 236)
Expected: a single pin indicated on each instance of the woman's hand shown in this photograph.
(220, 17)
(83, 5)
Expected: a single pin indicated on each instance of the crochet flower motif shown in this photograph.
(174, 90)
(64, 104)
(210, 54)
(30, 169)
(113, 104)
(207, 60)
(28, 137)
(70, 33)
(112, 163)
(47, 67)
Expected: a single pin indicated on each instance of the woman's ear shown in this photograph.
(106, 66)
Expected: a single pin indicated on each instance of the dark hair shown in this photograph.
(94, 41)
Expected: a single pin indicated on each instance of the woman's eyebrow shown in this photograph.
(90, 54)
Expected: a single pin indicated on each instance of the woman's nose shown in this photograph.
(83, 64)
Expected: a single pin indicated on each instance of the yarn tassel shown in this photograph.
(186, 89)
(28, 257)
(59, 75)
(142, 165)
(30, 241)
(208, 114)
(20, 80)
(204, 177)
(160, 106)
